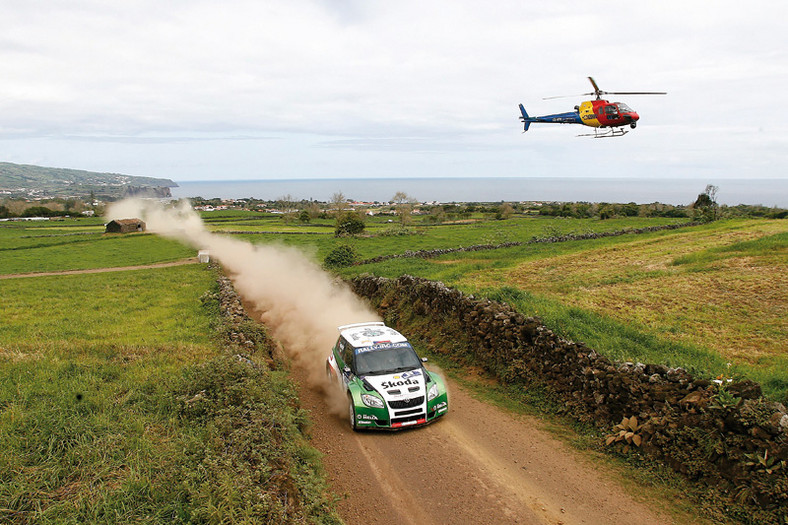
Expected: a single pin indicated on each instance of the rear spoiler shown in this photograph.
(355, 325)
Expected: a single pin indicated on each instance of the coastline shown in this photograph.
(731, 192)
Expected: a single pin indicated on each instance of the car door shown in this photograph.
(346, 358)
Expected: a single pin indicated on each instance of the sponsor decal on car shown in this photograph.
(381, 346)
(406, 375)
(369, 333)
(401, 382)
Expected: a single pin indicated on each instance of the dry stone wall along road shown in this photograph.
(478, 465)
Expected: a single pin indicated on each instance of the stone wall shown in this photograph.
(429, 254)
(242, 335)
(727, 436)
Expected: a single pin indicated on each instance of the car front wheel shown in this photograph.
(352, 413)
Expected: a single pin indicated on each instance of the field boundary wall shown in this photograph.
(724, 435)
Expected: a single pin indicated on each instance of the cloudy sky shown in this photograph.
(257, 89)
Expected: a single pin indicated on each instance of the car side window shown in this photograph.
(346, 351)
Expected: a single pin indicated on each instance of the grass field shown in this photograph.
(710, 298)
(119, 405)
(92, 365)
(78, 244)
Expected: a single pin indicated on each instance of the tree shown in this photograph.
(403, 206)
(313, 209)
(705, 206)
(338, 203)
(505, 211)
(286, 204)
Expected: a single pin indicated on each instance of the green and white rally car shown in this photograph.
(385, 381)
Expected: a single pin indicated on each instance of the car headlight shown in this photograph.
(372, 401)
(433, 393)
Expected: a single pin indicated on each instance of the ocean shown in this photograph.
(768, 192)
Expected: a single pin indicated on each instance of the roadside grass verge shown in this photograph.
(120, 403)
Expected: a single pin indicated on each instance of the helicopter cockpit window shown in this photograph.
(623, 108)
(611, 110)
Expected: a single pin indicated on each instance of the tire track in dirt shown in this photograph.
(191, 260)
(478, 465)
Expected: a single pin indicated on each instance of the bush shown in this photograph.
(40, 211)
(349, 224)
(341, 256)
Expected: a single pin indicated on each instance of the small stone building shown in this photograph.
(125, 226)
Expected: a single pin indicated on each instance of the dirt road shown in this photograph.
(479, 465)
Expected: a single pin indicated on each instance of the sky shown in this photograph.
(196, 90)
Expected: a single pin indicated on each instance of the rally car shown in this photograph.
(385, 381)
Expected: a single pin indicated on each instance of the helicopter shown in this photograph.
(607, 118)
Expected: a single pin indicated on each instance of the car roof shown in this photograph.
(362, 335)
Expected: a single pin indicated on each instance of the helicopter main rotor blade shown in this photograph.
(564, 96)
(634, 92)
(597, 91)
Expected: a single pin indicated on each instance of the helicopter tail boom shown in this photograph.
(571, 117)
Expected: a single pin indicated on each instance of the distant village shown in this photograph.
(399, 207)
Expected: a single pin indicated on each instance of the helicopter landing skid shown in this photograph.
(612, 132)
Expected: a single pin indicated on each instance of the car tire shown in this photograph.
(352, 413)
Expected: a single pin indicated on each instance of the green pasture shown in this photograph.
(86, 366)
(745, 309)
(118, 405)
(383, 238)
(152, 308)
(54, 251)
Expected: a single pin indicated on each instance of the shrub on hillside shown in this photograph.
(349, 224)
(341, 256)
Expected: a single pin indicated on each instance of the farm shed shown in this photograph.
(125, 226)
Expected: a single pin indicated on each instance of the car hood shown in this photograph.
(401, 385)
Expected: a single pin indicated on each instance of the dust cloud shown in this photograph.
(301, 304)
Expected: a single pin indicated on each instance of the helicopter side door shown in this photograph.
(587, 115)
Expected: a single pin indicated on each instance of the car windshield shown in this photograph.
(386, 359)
